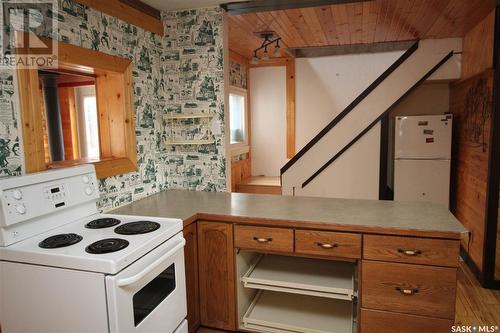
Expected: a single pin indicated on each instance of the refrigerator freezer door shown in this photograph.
(423, 137)
(422, 180)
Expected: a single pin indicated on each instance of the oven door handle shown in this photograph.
(133, 279)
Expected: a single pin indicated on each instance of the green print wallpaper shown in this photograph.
(181, 72)
(237, 74)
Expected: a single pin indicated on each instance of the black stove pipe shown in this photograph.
(53, 116)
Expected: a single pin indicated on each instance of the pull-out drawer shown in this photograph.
(329, 244)
(263, 238)
(313, 277)
(439, 252)
(373, 321)
(412, 289)
(286, 313)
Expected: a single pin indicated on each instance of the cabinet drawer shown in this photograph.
(386, 322)
(439, 252)
(263, 238)
(326, 243)
(412, 289)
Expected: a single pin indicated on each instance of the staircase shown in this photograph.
(324, 167)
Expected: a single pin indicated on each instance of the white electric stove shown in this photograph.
(66, 268)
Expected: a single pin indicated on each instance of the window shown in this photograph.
(91, 106)
(91, 127)
(238, 121)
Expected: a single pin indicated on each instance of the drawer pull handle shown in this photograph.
(407, 291)
(410, 253)
(262, 240)
(327, 245)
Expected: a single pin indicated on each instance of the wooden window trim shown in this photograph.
(117, 156)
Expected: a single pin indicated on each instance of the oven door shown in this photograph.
(150, 295)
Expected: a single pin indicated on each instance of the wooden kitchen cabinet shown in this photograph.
(411, 289)
(373, 321)
(192, 289)
(216, 275)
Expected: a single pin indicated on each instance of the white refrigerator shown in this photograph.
(422, 158)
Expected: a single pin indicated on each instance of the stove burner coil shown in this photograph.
(60, 240)
(139, 227)
(104, 222)
(107, 245)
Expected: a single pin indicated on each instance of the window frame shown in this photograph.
(114, 95)
(240, 147)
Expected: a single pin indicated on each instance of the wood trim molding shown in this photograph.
(75, 84)
(290, 107)
(115, 106)
(31, 118)
(127, 13)
(490, 251)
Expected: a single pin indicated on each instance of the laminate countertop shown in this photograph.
(369, 216)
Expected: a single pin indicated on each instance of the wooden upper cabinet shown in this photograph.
(216, 274)
(192, 279)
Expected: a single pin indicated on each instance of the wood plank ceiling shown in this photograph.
(359, 23)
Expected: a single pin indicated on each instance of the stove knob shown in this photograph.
(17, 194)
(21, 209)
(89, 190)
(85, 179)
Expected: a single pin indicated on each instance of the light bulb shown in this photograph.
(277, 52)
(265, 57)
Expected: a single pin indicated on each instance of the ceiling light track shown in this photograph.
(269, 39)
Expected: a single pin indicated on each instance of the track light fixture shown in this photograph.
(269, 39)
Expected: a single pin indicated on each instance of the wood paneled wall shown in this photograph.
(471, 103)
(240, 170)
(478, 47)
(68, 118)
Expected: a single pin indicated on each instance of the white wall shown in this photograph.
(268, 120)
(326, 85)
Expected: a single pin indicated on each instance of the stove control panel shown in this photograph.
(45, 200)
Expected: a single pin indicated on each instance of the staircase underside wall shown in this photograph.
(354, 176)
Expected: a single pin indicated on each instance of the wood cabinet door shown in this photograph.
(192, 290)
(216, 273)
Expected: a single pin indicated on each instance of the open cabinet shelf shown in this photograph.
(313, 277)
(283, 312)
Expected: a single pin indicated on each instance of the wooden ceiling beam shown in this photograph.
(238, 8)
(143, 7)
(127, 13)
(323, 51)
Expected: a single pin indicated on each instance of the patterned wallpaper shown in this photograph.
(180, 72)
(237, 74)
